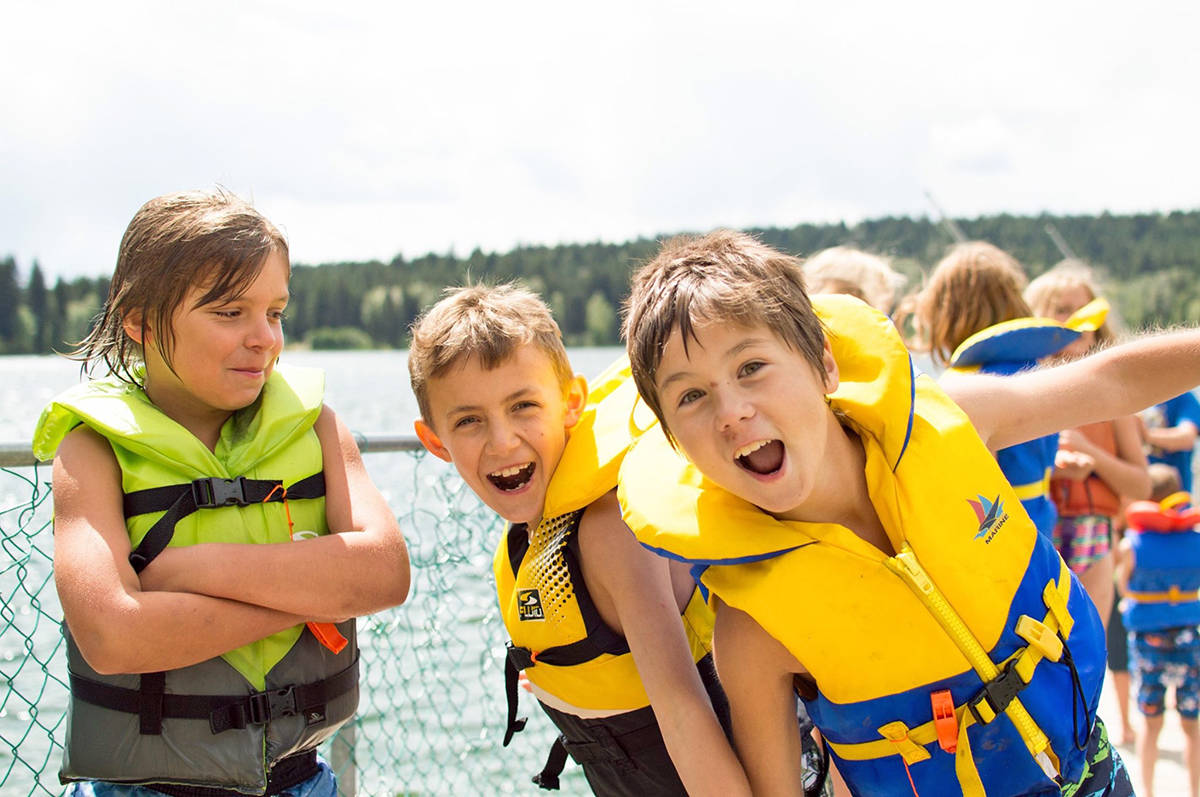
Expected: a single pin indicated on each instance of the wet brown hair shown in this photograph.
(175, 242)
(724, 277)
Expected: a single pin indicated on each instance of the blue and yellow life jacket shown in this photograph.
(1164, 585)
(227, 722)
(973, 637)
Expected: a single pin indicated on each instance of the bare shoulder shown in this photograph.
(83, 457)
(736, 630)
(331, 430)
(603, 526)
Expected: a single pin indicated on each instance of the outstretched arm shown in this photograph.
(757, 673)
(359, 569)
(629, 581)
(1121, 380)
(118, 627)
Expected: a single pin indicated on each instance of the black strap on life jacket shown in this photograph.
(223, 712)
(177, 501)
(599, 639)
(598, 642)
(180, 500)
(285, 773)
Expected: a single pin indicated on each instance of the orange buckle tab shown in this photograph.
(944, 720)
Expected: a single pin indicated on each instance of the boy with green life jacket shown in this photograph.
(614, 640)
(215, 532)
(857, 538)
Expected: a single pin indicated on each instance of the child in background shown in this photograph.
(1170, 430)
(858, 540)
(192, 670)
(977, 321)
(1096, 464)
(604, 629)
(1160, 578)
(843, 269)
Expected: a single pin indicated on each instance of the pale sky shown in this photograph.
(370, 129)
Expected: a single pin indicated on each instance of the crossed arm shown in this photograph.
(198, 602)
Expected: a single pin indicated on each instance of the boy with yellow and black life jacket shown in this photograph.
(195, 490)
(859, 542)
(1159, 575)
(603, 629)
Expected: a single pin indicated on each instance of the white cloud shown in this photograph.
(381, 128)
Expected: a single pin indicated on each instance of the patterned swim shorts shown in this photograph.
(1083, 540)
(1169, 657)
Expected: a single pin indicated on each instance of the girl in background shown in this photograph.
(1097, 465)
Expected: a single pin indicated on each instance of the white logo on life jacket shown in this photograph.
(306, 534)
(529, 605)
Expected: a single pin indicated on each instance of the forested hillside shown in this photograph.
(1150, 263)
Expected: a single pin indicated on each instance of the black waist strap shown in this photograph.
(598, 642)
(286, 773)
(180, 500)
(223, 712)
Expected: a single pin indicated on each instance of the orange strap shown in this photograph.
(326, 633)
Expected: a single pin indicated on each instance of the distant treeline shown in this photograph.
(1150, 264)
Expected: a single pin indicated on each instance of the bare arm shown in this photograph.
(1125, 472)
(118, 627)
(757, 673)
(1172, 438)
(626, 579)
(1118, 381)
(360, 570)
(1125, 564)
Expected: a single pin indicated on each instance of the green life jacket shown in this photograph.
(225, 722)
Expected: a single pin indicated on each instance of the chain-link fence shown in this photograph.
(432, 708)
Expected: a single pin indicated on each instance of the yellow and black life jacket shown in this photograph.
(558, 637)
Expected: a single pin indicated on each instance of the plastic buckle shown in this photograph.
(521, 658)
(998, 693)
(282, 702)
(944, 720)
(213, 492)
(259, 709)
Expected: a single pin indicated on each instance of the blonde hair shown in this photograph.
(1066, 275)
(973, 287)
(485, 321)
(843, 269)
(175, 242)
(724, 276)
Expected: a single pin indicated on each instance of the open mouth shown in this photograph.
(762, 457)
(514, 478)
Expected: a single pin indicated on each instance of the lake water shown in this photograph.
(431, 713)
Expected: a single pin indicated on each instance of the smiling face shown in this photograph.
(223, 351)
(503, 428)
(750, 413)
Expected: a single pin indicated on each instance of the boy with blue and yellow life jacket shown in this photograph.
(858, 540)
(1159, 574)
(194, 489)
(615, 642)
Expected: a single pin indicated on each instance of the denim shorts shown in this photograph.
(322, 784)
